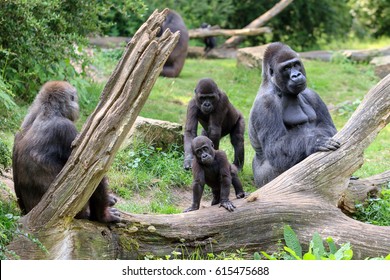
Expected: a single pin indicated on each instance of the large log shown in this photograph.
(305, 196)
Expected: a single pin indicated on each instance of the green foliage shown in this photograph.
(317, 251)
(5, 156)
(124, 17)
(375, 211)
(371, 17)
(9, 215)
(43, 37)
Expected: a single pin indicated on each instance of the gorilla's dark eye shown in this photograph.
(72, 97)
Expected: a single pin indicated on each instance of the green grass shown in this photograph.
(356, 44)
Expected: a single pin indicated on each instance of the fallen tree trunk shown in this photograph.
(234, 41)
(305, 196)
(203, 32)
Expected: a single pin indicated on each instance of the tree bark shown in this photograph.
(202, 32)
(234, 41)
(305, 197)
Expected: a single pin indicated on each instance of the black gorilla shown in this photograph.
(175, 61)
(209, 42)
(43, 146)
(288, 121)
(212, 167)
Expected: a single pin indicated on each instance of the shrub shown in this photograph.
(375, 211)
(5, 155)
(42, 38)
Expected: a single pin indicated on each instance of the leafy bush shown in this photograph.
(124, 17)
(371, 17)
(375, 211)
(5, 155)
(42, 38)
(317, 251)
(9, 215)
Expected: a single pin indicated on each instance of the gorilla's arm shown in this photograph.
(197, 186)
(226, 180)
(324, 120)
(325, 128)
(282, 149)
(190, 132)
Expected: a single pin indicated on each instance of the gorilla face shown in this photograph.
(289, 76)
(207, 95)
(203, 149)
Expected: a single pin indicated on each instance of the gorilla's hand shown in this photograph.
(112, 200)
(187, 163)
(325, 144)
(228, 205)
(242, 195)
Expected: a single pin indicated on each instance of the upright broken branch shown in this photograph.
(234, 41)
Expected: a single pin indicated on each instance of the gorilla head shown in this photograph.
(207, 95)
(284, 68)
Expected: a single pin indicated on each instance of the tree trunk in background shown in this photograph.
(201, 32)
(234, 41)
(305, 197)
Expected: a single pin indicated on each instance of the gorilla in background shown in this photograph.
(43, 146)
(175, 61)
(209, 42)
(212, 167)
(288, 121)
(212, 109)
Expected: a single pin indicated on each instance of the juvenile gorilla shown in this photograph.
(212, 167)
(288, 122)
(175, 61)
(212, 109)
(43, 146)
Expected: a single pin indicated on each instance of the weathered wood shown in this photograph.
(258, 22)
(203, 32)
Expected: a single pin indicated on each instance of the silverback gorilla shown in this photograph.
(43, 146)
(212, 167)
(175, 61)
(288, 121)
(212, 109)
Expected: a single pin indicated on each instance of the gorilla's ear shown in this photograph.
(212, 145)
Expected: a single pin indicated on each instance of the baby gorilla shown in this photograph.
(212, 167)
